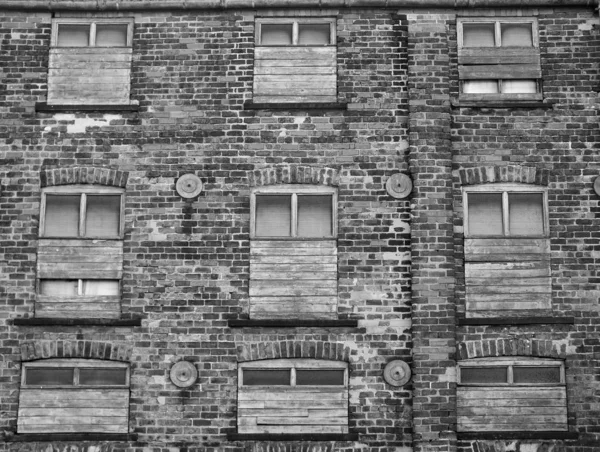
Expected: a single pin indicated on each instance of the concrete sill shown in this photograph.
(79, 437)
(529, 320)
(292, 323)
(292, 437)
(44, 107)
(515, 435)
(296, 106)
(76, 322)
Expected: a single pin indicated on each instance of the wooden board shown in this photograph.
(500, 71)
(507, 274)
(293, 410)
(293, 279)
(498, 55)
(511, 408)
(89, 76)
(73, 410)
(292, 74)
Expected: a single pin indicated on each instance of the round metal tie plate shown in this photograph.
(396, 373)
(399, 185)
(189, 186)
(183, 374)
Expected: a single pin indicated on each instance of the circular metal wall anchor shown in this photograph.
(396, 373)
(183, 374)
(597, 185)
(189, 186)
(399, 185)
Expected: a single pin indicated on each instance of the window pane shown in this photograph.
(100, 287)
(478, 35)
(536, 374)
(480, 87)
(102, 217)
(255, 377)
(314, 34)
(485, 214)
(314, 216)
(102, 377)
(276, 34)
(273, 215)
(519, 86)
(484, 375)
(49, 376)
(58, 287)
(319, 377)
(73, 35)
(525, 213)
(516, 35)
(111, 35)
(62, 216)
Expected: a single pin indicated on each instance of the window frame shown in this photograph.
(82, 191)
(294, 191)
(292, 365)
(498, 21)
(505, 189)
(76, 364)
(80, 282)
(92, 22)
(294, 21)
(510, 363)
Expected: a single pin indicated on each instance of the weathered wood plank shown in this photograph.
(301, 421)
(500, 71)
(511, 410)
(541, 281)
(293, 70)
(529, 392)
(268, 276)
(489, 403)
(294, 99)
(293, 244)
(516, 245)
(498, 55)
(296, 53)
(507, 269)
(291, 429)
(260, 289)
(80, 427)
(508, 289)
(289, 64)
(293, 251)
(293, 268)
(278, 258)
(277, 81)
(513, 305)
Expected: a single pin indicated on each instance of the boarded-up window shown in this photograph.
(507, 249)
(295, 60)
(293, 253)
(74, 396)
(90, 61)
(80, 252)
(511, 394)
(499, 59)
(293, 396)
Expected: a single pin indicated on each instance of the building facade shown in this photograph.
(299, 226)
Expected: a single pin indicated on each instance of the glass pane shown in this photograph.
(102, 218)
(73, 35)
(111, 35)
(485, 214)
(478, 35)
(516, 35)
(58, 287)
(319, 377)
(255, 377)
(536, 374)
(102, 377)
(276, 34)
(100, 287)
(525, 213)
(62, 216)
(273, 215)
(480, 87)
(314, 216)
(519, 86)
(314, 34)
(483, 375)
(49, 376)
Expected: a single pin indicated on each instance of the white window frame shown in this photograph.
(92, 23)
(76, 364)
(82, 191)
(294, 191)
(292, 365)
(505, 189)
(510, 363)
(80, 282)
(497, 29)
(294, 21)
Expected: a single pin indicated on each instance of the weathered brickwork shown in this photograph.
(400, 263)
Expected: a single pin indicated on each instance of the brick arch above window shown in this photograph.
(88, 175)
(293, 349)
(294, 174)
(511, 347)
(35, 350)
(503, 174)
